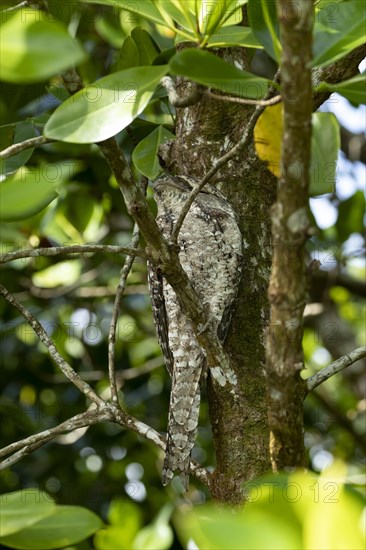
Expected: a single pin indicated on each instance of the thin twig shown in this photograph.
(17, 7)
(22, 145)
(55, 355)
(116, 309)
(243, 100)
(221, 162)
(26, 446)
(73, 249)
(334, 367)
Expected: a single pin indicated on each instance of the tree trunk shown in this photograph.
(204, 133)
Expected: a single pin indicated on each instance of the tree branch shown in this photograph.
(121, 417)
(166, 257)
(244, 101)
(26, 446)
(116, 309)
(181, 101)
(334, 367)
(55, 355)
(73, 249)
(345, 68)
(22, 145)
(287, 289)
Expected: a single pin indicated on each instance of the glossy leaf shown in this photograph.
(149, 9)
(129, 55)
(68, 525)
(33, 48)
(105, 107)
(24, 508)
(213, 13)
(25, 193)
(174, 11)
(146, 46)
(264, 24)
(146, 8)
(338, 32)
(234, 36)
(353, 89)
(20, 131)
(137, 49)
(210, 70)
(325, 144)
(145, 154)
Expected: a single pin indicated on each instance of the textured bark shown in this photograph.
(287, 291)
(205, 132)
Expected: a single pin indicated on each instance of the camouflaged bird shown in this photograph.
(210, 252)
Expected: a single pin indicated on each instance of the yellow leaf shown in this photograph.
(267, 137)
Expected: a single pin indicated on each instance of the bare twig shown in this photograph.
(55, 355)
(181, 101)
(116, 308)
(243, 100)
(22, 145)
(26, 446)
(74, 249)
(241, 144)
(16, 7)
(335, 367)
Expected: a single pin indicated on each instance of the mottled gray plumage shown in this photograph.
(210, 252)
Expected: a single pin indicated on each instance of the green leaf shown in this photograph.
(353, 89)
(214, 13)
(129, 55)
(23, 508)
(264, 23)
(105, 107)
(25, 193)
(146, 46)
(31, 189)
(21, 132)
(350, 216)
(234, 36)
(220, 529)
(126, 520)
(111, 33)
(33, 48)
(154, 537)
(338, 32)
(114, 537)
(126, 514)
(214, 72)
(68, 525)
(145, 154)
(325, 143)
(158, 535)
(146, 8)
(174, 11)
